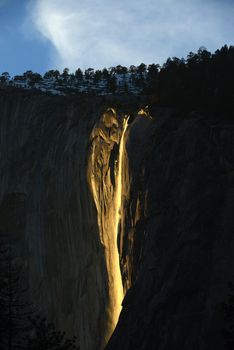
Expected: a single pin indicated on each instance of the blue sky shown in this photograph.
(48, 34)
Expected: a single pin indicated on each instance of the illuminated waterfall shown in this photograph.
(107, 199)
(117, 296)
(118, 197)
(119, 178)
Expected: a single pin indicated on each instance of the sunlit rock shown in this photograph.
(106, 158)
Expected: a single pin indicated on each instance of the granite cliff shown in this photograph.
(103, 200)
(177, 238)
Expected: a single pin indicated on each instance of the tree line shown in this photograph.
(202, 80)
(127, 76)
(87, 74)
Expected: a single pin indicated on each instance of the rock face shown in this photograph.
(178, 242)
(48, 209)
(170, 239)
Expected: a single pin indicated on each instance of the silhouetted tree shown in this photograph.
(5, 77)
(121, 69)
(18, 328)
(44, 336)
(105, 74)
(97, 76)
(14, 309)
(52, 74)
(132, 69)
(79, 74)
(27, 75)
(89, 73)
(65, 74)
(141, 68)
(56, 74)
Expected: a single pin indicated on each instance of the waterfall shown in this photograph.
(118, 202)
(107, 197)
(119, 178)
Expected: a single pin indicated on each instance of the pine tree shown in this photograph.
(14, 309)
(45, 337)
(19, 328)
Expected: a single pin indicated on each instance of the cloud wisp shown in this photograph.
(91, 33)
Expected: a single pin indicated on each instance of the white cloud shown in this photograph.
(98, 33)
